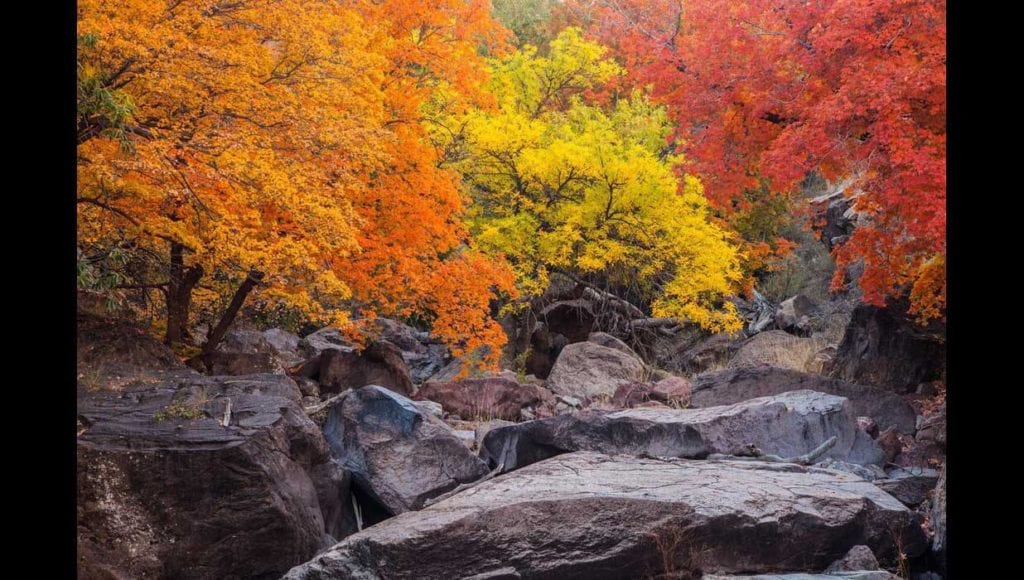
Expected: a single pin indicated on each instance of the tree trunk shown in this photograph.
(179, 294)
(218, 332)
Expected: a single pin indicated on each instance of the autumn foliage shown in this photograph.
(284, 139)
(344, 160)
(767, 89)
(565, 183)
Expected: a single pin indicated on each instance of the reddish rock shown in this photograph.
(380, 364)
(490, 398)
(673, 391)
(889, 441)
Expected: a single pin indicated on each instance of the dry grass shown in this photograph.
(779, 349)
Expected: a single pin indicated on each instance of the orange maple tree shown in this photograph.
(278, 147)
(763, 89)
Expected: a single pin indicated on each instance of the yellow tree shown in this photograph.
(562, 183)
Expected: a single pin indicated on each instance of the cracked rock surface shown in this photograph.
(589, 515)
(786, 425)
(166, 490)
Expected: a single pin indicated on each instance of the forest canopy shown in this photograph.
(321, 162)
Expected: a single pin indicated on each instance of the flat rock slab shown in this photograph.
(593, 516)
(166, 490)
(786, 425)
(734, 385)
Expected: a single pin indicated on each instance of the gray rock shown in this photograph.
(858, 558)
(467, 437)
(398, 455)
(588, 515)
(448, 373)
(166, 490)
(882, 347)
(735, 385)
(587, 371)
(315, 343)
(423, 354)
(938, 520)
(793, 314)
(933, 428)
(609, 341)
(911, 485)
(281, 345)
(570, 401)
(308, 387)
(786, 425)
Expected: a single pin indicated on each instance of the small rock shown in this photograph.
(672, 390)
(570, 401)
(858, 558)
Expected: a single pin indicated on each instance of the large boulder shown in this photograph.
(734, 385)
(587, 515)
(786, 425)
(398, 455)
(166, 490)
(281, 345)
(488, 397)
(881, 347)
(590, 371)
(381, 363)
